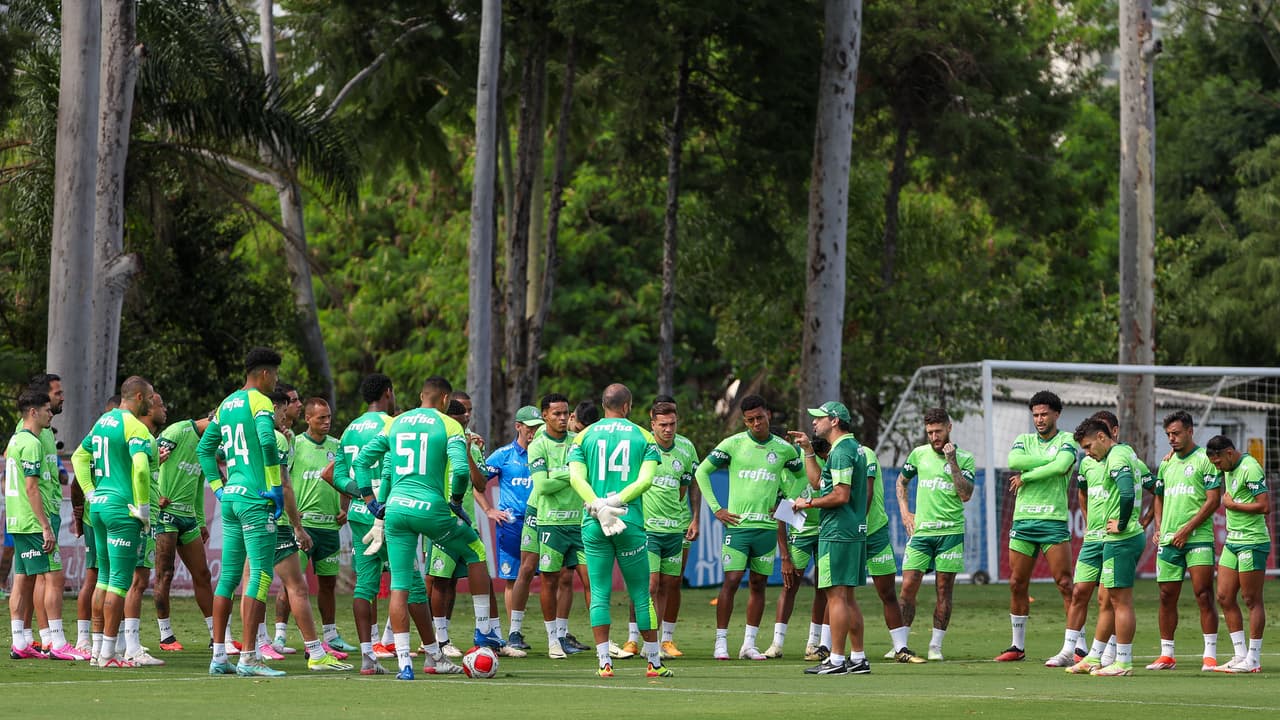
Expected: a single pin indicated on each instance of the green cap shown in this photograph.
(832, 409)
(529, 415)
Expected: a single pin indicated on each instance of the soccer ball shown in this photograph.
(480, 662)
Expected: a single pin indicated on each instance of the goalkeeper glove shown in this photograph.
(593, 507)
(376, 508)
(373, 538)
(611, 520)
(141, 512)
(276, 496)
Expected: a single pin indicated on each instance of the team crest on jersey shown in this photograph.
(677, 465)
(329, 456)
(1188, 471)
(772, 457)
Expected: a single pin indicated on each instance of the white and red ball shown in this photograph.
(480, 662)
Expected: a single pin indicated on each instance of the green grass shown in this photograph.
(968, 683)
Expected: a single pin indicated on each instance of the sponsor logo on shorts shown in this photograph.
(950, 555)
(31, 554)
(410, 503)
(119, 542)
(1039, 509)
(632, 553)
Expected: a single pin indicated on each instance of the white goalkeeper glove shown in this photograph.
(373, 538)
(141, 512)
(610, 518)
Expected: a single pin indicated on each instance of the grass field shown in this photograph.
(968, 683)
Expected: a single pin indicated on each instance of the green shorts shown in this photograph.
(529, 534)
(186, 528)
(561, 547)
(1028, 537)
(666, 553)
(841, 563)
(940, 553)
(1089, 562)
(752, 547)
(90, 549)
(119, 540)
(880, 558)
(147, 552)
(368, 568)
(249, 535)
(803, 549)
(1172, 562)
(407, 519)
(326, 544)
(286, 544)
(29, 557)
(442, 564)
(1120, 561)
(1245, 558)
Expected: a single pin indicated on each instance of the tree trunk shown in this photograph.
(480, 260)
(71, 258)
(897, 180)
(115, 270)
(823, 335)
(528, 164)
(558, 182)
(537, 233)
(675, 146)
(296, 255)
(1137, 224)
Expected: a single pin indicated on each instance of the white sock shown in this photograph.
(228, 638)
(108, 647)
(17, 630)
(315, 649)
(1166, 647)
(1124, 653)
(815, 634)
(1255, 651)
(1082, 643)
(26, 633)
(562, 626)
(282, 633)
(652, 654)
(1019, 623)
(366, 649)
(330, 632)
(1238, 645)
(633, 632)
(441, 624)
(836, 659)
(44, 638)
(208, 623)
(517, 621)
(824, 637)
(56, 635)
(602, 653)
(779, 634)
(219, 652)
(263, 637)
(898, 637)
(95, 643)
(552, 631)
(668, 631)
(749, 637)
(856, 655)
(84, 631)
(166, 628)
(1111, 646)
(388, 636)
(402, 650)
(1069, 640)
(495, 626)
(722, 637)
(480, 604)
(1211, 645)
(936, 640)
(1099, 647)
(132, 641)
(374, 635)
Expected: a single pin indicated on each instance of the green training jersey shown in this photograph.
(666, 505)
(757, 471)
(354, 438)
(318, 503)
(1244, 483)
(243, 432)
(115, 440)
(180, 477)
(1091, 479)
(549, 471)
(50, 481)
(24, 458)
(1045, 465)
(876, 515)
(423, 450)
(612, 450)
(939, 509)
(799, 487)
(846, 465)
(1119, 479)
(1186, 481)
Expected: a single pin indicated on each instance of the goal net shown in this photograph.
(988, 400)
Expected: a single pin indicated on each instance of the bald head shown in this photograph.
(616, 400)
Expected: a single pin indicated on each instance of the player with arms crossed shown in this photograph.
(936, 529)
(1190, 491)
(1243, 565)
(1043, 462)
(611, 464)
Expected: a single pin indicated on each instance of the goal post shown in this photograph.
(987, 402)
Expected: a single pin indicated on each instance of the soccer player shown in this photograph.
(1243, 564)
(82, 524)
(1121, 548)
(154, 419)
(1093, 495)
(252, 499)
(517, 556)
(1190, 491)
(559, 521)
(180, 525)
(667, 518)
(35, 532)
(758, 462)
(798, 549)
(323, 512)
(611, 464)
(428, 449)
(292, 410)
(843, 497)
(113, 467)
(1043, 462)
(936, 528)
